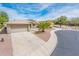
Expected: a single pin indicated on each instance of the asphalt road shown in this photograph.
(68, 43)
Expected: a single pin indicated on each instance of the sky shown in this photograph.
(39, 11)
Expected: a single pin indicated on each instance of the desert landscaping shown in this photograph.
(56, 36)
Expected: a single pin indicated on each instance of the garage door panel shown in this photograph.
(18, 28)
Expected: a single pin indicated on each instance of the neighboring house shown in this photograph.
(20, 26)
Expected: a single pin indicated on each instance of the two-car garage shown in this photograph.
(13, 27)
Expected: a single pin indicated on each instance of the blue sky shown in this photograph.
(39, 11)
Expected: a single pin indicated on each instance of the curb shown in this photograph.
(51, 43)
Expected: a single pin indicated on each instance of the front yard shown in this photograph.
(5, 46)
(43, 35)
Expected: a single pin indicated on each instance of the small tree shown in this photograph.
(3, 18)
(75, 22)
(51, 23)
(61, 20)
(43, 25)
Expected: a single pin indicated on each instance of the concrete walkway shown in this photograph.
(27, 44)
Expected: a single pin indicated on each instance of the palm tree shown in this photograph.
(43, 25)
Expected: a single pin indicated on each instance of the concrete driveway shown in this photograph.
(26, 44)
(68, 43)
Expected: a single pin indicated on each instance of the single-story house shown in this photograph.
(19, 26)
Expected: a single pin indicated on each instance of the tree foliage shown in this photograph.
(61, 20)
(75, 20)
(3, 18)
(51, 23)
(43, 25)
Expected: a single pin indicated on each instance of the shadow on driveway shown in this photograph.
(4, 31)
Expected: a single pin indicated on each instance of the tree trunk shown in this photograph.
(60, 25)
(43, 30)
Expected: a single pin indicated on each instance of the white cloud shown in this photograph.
(12, 13)
(69, 11)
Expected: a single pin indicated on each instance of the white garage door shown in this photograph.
(18, 28)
